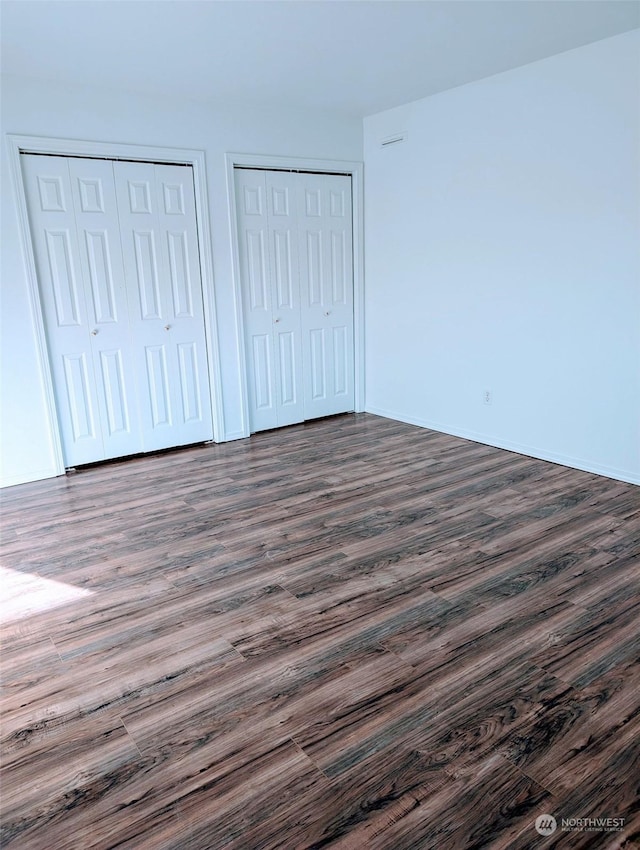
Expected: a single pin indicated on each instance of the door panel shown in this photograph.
(190, 382)
(101, 275)
(342, 361)
(146, 267)
(181, 283)
(158, 387)
(339, 275)
(253, 230)
(263, 377)
(81, 401)
(285, 295)
(287, 350)
(79, 270)
(118, 420)
(318, 363)
(102, 270)
(326, 280)
(178, 242)
(148, 300)
(157, 217)
(283, 269)
(314, 267)
(63, 277)
(257, 270)
(51, 188)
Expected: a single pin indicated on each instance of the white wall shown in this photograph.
(36, 108)
(502, 253)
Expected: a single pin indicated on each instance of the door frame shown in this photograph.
(287, 163)
(19, 144)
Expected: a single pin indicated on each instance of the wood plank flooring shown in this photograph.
(348, 634)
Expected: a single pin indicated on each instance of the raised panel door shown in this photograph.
(257, 301)
(66, 304)
(282, 218)
(166, 313)
(178, 237)
(295, 241)
(118, 267)
(101, 263)
(326, 291)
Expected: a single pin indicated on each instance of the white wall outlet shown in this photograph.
(488, 396)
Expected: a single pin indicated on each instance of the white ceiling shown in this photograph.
(357, 57)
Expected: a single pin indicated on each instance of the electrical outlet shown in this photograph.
(488, 397)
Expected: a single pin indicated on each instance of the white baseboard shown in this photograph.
(530, 451)
(38, 475)
(234, 435)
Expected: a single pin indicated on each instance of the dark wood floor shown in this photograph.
(350, 634)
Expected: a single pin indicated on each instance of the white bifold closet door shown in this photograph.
(295, 240)
(117, 260)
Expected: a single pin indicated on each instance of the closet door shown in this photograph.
(285, 295)
(118, 267)
(253, 235)
(326, 284)
(295, 240)
(162, 272)
(76, 240)
(268, 239)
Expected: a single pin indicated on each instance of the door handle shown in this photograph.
(94, 332)
(167, 327)
(275, 321)
(327, 312)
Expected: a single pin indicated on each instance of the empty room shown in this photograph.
(320, 424)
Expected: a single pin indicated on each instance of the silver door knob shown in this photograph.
(94, 332)
(167, 327)
(275, 321)
(327, 312)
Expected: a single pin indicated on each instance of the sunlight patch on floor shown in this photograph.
(23, 594)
